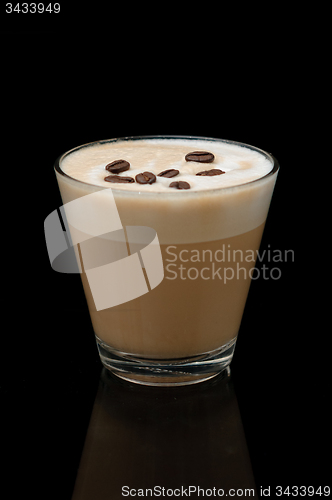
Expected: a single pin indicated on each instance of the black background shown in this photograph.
(61, 90)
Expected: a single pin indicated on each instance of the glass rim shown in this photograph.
(269, 156)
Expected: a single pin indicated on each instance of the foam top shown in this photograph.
(240, 164)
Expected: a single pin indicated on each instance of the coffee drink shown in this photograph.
(207, 200)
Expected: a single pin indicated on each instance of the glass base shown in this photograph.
(170, 372)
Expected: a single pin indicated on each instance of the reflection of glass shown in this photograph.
(183, 328)
(150, 437)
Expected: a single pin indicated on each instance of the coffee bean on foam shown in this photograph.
(210, 173)
(180, 185)
(145, 178)
(118, 166)
(171, 172)
(200, 156)
(119, 179)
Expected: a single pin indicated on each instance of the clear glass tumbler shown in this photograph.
(167, 278)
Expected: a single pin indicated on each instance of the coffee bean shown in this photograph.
(213, 171)
(145, 178)
(119, 179)
(180, 185)
(118, 166)
(200, 156)
(169, 173)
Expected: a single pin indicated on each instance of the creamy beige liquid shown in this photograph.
(196, 308)
(186, 314)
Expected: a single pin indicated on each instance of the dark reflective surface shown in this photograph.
(173, 438)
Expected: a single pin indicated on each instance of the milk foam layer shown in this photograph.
(240, 164)
(200, 214)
